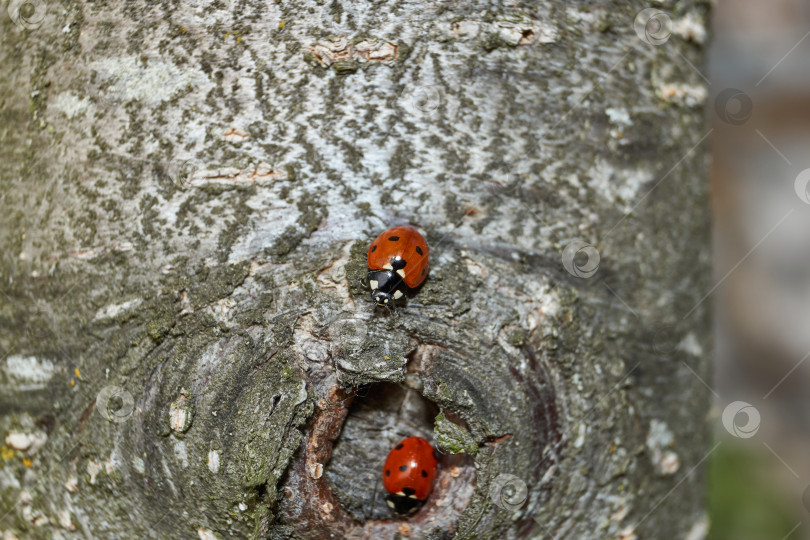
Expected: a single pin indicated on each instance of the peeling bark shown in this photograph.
(188, 192)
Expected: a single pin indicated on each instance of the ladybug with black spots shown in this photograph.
(397, 260)
(408, 475)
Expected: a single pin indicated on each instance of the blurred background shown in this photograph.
(759, 111)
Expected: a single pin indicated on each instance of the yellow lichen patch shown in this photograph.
(72, 382)
(78, 373)
(27, 462)
(6, 453)
(282, 24)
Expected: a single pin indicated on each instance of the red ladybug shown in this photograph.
(397, 259)
(408, 474)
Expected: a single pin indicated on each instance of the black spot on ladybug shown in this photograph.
(403, 468)
(388, 472)
(374, 248)
(397, 263)
(408, 491)
(399, 446)
(419, 250)
(424, 473)
(393, 238)
(423, 271)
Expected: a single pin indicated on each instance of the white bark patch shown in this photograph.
(70, 104)
(620, 120)
(181, 413)
(93, 468)
(659, 441)
(580, 440)
(185, 303)
(259, 175)
(687, 95)
(617, 185)
(340, 48)
(699, 530)
(26, 442)
(205, 534)
(690, 27)
(168, 475)
(669, 463)
(8, 480)
(473, 267)
(628, 533)
(64, 520)
(213, 461)
(221, 310)
(72, 484)
(372, 50)
(690, 345)
(315, 470)
(522, 30)
(302, 394)
(621, 512)
(150, 81)
(25, 373)
(113, 310)
(589, 17)
(464, 29)
(181, 453)
(619, 116)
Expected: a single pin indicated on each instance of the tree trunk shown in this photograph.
(189, 190)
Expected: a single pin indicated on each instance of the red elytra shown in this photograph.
(403, 243)
(397, 258)
(410, 469)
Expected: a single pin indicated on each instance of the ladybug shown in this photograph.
(397, 260)
(408, 474)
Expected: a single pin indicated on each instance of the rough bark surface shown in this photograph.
(188, 190)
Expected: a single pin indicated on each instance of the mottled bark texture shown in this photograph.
(188, 191)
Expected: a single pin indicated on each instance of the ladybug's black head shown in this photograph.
(403, 504)
(386, 286)
(382, 298)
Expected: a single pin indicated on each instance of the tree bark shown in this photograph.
(189, 189)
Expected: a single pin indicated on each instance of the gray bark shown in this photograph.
(188, 192)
